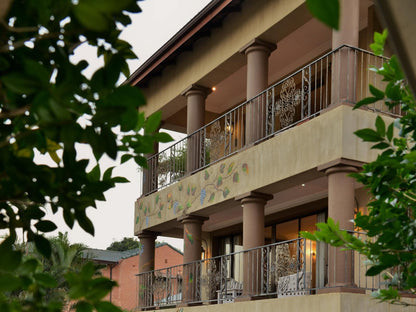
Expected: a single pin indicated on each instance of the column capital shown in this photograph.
(147, 234)
(341, 168)
(257, 44)
(192, 219)
(250, 197)
(342, 164)
(196, 89)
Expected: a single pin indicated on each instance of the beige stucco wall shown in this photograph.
(304, 147)
(335, 302)
(255, 19)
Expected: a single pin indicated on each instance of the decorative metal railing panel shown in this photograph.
(340, 76)
(290, 268)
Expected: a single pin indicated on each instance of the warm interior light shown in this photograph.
(214, 88)
(229, 128)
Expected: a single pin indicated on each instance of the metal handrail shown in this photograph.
(287, 268)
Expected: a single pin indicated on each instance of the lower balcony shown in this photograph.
(296, 267)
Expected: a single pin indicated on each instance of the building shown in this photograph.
(264, 93)
(123, 266)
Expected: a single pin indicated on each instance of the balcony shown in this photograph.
(338, 77)
(296, 267)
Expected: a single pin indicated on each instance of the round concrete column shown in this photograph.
(253, 236)
(146, 266)
(195, 119)
(349, 24)
(192, 231)
(341, 205)
(344, 62)
(257, 53)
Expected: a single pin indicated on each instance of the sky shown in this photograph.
(114, 218)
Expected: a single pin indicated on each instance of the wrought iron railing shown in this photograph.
(290, 268)
(339, 76)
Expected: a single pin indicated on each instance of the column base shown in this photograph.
(338, 289)
(244, 298)
(184, 305)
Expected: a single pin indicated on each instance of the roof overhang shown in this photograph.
(200, 26)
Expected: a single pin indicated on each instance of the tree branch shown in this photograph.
(14, 113)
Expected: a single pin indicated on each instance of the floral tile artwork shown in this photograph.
(215, 186)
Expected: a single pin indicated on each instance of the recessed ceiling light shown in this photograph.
(214, 88)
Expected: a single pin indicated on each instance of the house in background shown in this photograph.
(264, 93)
(122, 267)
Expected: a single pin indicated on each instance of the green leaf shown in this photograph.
(380, 126)
(126, 157)
(368, 135)
(108, 173)
(95, 173)
(45, 280)
(4, 64)
(105, 306)
(381, 145)
(307, 235)
(99, 288)
(376, 92)
(110, 6)
(141, 161)
(120, 180)
(42, 245)
(327, 11)
(153, 122)
(85, 223)
(19, 83)
(393, 91)
(10, 259)
(83, 306)
(29, 266)
(68, 217)
(375, 270)
(365, 101)
(389, 132)
(110, 142)
(37, 70)
(8, 282)
(45, 226)
(163, 137)
(90, 18)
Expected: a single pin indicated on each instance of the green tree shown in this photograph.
(65, 257)
(48, 105)
(127, 243)
(390, 224)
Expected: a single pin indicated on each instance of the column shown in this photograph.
(146, 264)
(150, 174)
(344, 62)
(257, 53)
(192, 231)
(195, 103)
(341, 205)
(253, 236)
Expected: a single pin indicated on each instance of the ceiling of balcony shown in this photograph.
(298, 196)
(308, 40)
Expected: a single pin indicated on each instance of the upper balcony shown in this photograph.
(338, 77)
(301, 96)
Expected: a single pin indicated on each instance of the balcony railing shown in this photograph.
(290, 268)
(339, 76)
